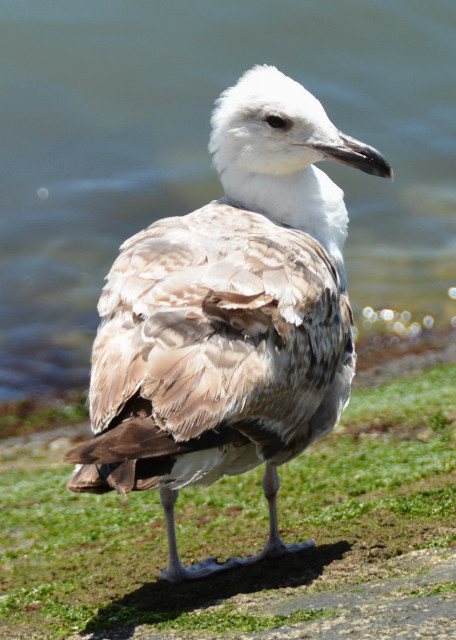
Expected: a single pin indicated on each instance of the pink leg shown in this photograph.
(274, 547)
(176, 572)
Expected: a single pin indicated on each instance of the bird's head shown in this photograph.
(269, 124)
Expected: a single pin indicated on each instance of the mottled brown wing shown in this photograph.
(211, 314)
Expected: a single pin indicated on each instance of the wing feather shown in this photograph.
(218, 317)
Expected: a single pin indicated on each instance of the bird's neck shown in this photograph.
(307, 200)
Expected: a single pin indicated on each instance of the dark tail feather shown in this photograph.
(139, 438)
(135, 455)
(120, 476)
(130, 475)
(87, 479)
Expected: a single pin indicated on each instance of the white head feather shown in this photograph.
(241, 133)
(268, 169)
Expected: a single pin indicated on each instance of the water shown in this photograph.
(104, 113)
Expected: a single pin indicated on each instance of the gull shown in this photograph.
(226, 334)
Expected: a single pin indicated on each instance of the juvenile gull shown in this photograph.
(225, 339)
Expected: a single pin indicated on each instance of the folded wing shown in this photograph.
(218, 320)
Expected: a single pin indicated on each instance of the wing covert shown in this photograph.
(207, 314)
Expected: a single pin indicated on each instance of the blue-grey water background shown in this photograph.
(104, 121)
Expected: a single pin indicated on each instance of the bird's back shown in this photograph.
(221, 330)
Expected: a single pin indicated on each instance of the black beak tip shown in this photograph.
(378, 164)
(382, 170)
(361, 156)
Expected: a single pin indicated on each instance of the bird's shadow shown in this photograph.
(160, 601)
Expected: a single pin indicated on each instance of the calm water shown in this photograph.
(104, 115)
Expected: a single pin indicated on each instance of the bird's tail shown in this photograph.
(87, 479)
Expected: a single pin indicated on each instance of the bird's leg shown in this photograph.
(274, 547)
(176, 572)
(271, 486)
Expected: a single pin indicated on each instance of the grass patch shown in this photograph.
(372, 490)
(405, 404)
(29, 415)
(441, 588)
(225, 618)
(46, 601)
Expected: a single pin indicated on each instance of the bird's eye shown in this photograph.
(277, 122)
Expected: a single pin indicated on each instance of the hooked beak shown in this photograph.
(356, 154)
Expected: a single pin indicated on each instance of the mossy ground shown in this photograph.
(31, 415)
(380, 486)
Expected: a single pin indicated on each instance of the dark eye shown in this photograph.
(276, 122)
